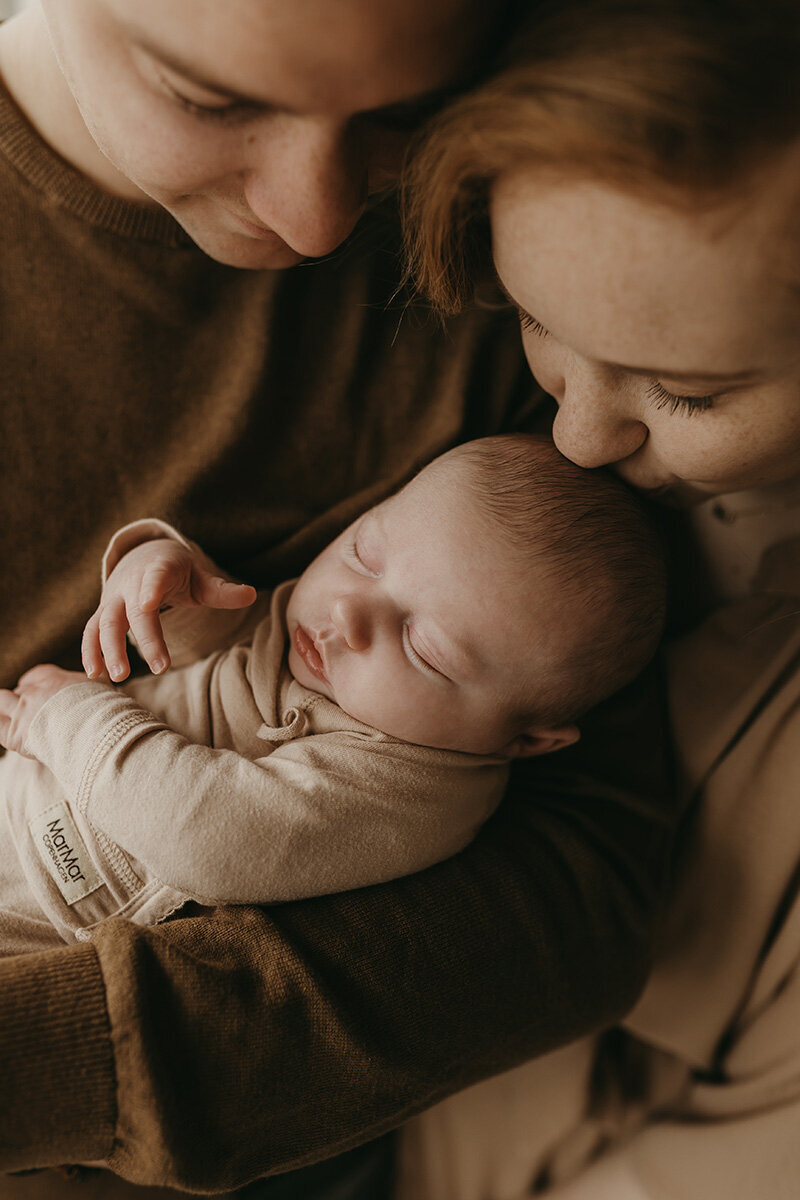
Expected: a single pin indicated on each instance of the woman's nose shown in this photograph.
(308, 183)
(352, 620)
(596, 424)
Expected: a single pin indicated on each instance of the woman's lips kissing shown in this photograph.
(306, 647)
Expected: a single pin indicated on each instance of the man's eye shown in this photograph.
(688, 405)
(220, 110)
(204, 110)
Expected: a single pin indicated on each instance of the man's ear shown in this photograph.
(540, 740)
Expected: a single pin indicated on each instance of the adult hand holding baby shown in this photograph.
(18, 708)
(149, 578)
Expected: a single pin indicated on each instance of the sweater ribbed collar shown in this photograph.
(48, 173)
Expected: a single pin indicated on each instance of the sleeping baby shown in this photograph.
(352, 726)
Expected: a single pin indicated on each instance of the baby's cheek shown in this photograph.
(402, 712)
(362, 696)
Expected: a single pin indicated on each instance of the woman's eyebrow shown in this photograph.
(732, 377)
(745, 375)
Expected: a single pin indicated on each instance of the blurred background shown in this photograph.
(9, 7)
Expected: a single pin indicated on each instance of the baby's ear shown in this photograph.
(541, 740)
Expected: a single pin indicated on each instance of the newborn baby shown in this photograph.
(353, 726)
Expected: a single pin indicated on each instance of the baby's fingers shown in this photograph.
(146, 629)
(112, 628)
(91, 654)
(164, 582)
(9, 703)
(215, 592)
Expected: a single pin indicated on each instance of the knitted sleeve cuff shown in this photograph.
(59, 1089)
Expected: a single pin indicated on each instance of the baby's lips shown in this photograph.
(309, 651)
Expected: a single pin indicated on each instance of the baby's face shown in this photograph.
(416, 621)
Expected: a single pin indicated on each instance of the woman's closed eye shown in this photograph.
(687, 405)
(528, 322)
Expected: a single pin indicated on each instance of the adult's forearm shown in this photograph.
(59, 1101)
(247, 1041)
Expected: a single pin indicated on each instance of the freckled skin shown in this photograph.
(638, 296)
(283, 180)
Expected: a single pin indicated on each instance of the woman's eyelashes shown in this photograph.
(688, 405)
(528, 322)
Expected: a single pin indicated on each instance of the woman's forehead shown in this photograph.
(627, 280)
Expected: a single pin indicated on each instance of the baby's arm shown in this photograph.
(323, 813)
(152, 575)
(148, 567)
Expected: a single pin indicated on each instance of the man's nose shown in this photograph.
(597, 423)
(353, 620)
(308, 183)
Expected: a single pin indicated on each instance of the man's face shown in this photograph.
(261, 125)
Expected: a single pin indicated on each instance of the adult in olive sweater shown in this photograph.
(149, 153)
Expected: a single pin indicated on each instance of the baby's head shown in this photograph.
(487, 605)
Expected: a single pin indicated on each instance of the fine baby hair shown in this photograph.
(586, 533)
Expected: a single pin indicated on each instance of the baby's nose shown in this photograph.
(351, 620)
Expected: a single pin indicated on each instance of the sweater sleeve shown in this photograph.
(319, 814)
(244, 1041)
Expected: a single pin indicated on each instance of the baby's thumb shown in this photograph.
(221, 593)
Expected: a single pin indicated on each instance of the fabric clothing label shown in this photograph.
(64, 853)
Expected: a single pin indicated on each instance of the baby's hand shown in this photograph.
(18, 708)
(157, 574)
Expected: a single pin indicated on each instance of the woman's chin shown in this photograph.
(681, 495)
(675, 492)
